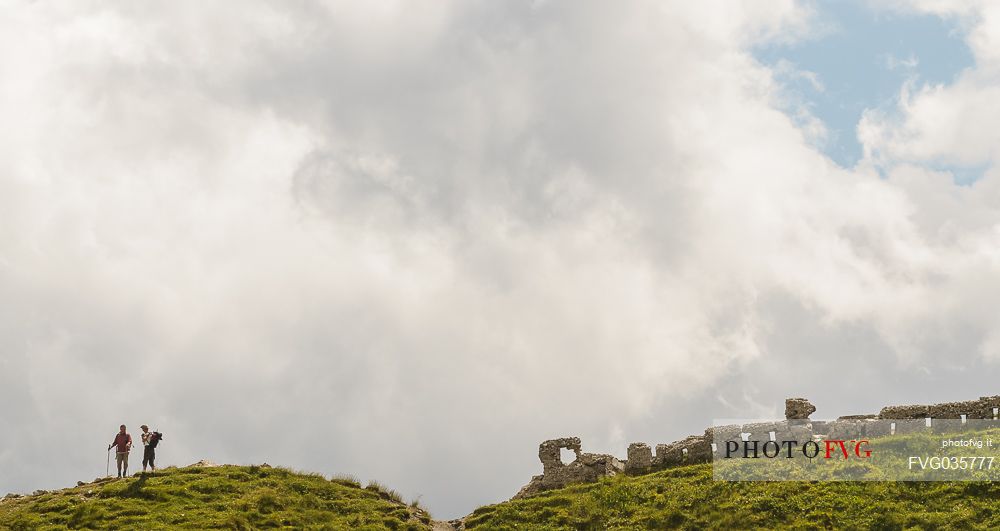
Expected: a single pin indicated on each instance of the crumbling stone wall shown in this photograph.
(693, 449)
(640, 458)
(550, 456)
(585, 468)
(984, 408)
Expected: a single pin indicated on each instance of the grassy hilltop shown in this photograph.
(688, 498)
(223, 497)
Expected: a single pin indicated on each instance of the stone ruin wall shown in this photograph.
(641, 459)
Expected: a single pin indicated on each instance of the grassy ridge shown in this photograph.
(889, 460)
(688, 498)
(226, 497)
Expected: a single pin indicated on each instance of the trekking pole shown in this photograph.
(107, 470)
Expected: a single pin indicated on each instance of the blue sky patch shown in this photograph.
(860, 61)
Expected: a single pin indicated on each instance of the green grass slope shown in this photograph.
(225, 497)
(688, 498)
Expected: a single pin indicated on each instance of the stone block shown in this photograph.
(798, 409)
(640, 458)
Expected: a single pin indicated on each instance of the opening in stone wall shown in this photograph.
(567, 456)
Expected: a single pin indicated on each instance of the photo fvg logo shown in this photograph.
(828, 448)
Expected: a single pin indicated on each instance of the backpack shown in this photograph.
(155, 439)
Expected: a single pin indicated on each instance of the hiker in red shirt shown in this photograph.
(122, 444)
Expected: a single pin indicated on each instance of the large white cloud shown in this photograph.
(948, 126)
(409, 241)
(949, 123)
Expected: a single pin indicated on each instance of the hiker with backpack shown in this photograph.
(122, 445)
(150, 439)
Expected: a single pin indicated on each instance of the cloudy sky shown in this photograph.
(410, 240)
